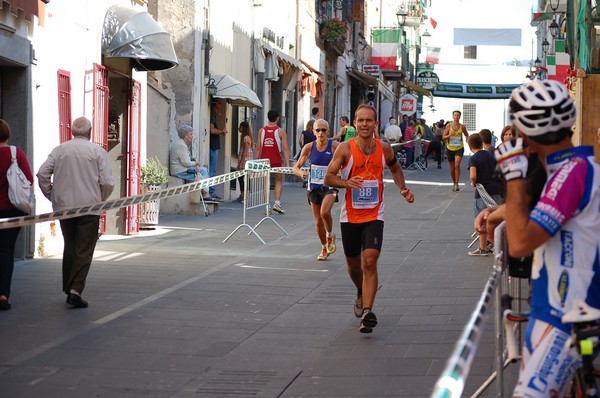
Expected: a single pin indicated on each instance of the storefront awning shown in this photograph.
(415, 87)
(131, 33)
(236, 92)
(385, 91)
(372, 81)
(288, 59)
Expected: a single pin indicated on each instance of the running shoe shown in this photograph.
(331, 247)
(277, 207)
(358, 306)
(324, 254)
(479, 252)
(368, 322)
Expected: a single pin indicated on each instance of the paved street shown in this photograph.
(177, 313)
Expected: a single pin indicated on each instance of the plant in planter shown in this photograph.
(153, 175)
(334, 30)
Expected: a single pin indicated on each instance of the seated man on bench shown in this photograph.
(182, 165)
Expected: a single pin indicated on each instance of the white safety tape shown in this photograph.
(397, 144)
(137, 199)
(118, 203)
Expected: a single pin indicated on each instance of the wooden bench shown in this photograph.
(187, 203)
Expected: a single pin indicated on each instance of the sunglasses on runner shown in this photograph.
(320, 130)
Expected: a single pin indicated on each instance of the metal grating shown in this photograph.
(237, 383)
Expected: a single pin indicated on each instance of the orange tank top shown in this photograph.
(365, 204)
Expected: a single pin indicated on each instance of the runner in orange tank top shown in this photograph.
(358, 165)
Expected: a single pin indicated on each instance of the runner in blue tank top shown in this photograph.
(320, 197)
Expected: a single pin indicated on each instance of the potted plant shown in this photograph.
(153, 175)
(334, 30)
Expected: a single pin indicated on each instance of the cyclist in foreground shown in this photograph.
(563, 229)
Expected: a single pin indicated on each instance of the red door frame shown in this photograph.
(100, 117)
(132, 213)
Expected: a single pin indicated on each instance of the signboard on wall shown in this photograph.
(373, 70)
(407, 105)
(428, 79)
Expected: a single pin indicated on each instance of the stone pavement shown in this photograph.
(175, 312)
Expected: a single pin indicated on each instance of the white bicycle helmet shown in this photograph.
(541, 106)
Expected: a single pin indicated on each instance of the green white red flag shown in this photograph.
(433, 55)
(385, 48)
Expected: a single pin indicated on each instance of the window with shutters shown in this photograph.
(470, 116)
(470, 52)
(64, 105)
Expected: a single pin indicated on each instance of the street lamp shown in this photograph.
(554, 28)
(545, 46)
(537, 63)
(425, 37)
(211, 86)
(401, 15)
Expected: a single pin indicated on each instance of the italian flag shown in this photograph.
(559, 63)
(385, 47)
(433, 55)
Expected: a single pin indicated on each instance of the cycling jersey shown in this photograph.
(565, 268)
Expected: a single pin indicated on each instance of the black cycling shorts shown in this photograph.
(357, 237)
(451, 154)
(316, 196)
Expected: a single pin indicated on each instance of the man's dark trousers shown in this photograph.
(80, 236)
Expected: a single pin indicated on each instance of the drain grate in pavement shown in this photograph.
(237, 383)
(335, 294)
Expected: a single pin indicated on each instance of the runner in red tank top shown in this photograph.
(271, 141)
(358, 166)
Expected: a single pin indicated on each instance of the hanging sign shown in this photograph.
(408, 105)
(428, 80)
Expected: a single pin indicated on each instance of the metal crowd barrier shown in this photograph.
(256, 194)
(452, 381)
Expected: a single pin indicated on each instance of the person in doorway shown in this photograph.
(320, 197)
(246, 153)
(215, 142)
(307, 135)
(181, 164)
(314, 114)
(358, 166)
(77, 173)
(8, 236)
(272, 140)
(347, 131)
(455, 147)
